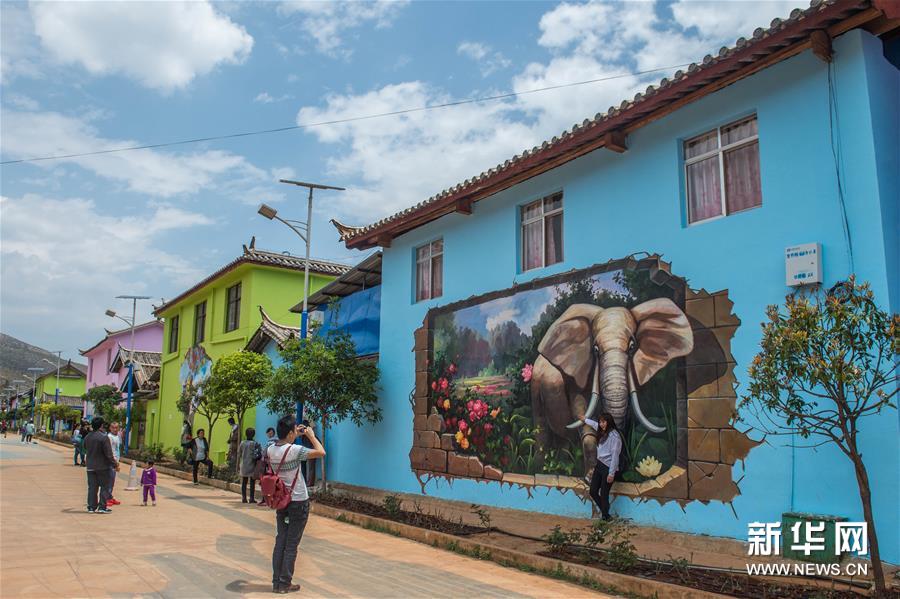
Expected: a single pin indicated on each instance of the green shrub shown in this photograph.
(558, 540)
(391, 504)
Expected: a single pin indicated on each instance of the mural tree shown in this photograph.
(238, 382)
(826, 363)
(325, 374)
(194, 400)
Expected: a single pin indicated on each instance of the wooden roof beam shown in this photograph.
(384, 240)
(615, 141)
(820, 43)
(464, 206)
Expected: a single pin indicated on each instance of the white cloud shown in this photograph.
(153, 172)
(328, 22)
(488, 60)
(21, 101)
(58, 249)
(162, 45)
(19, 54)
(729, 19)
(266, 98)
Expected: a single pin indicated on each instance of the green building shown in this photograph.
(216, 317)
(72, 385)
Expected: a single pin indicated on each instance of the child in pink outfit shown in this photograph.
(148, 482)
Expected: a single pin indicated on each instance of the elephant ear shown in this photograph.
(567, 343)
(663, 334)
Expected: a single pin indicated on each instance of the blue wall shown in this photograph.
(357, 314)
(616, 205)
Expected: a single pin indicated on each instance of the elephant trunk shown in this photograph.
(615, 385)
(636, 407)
(595, 394)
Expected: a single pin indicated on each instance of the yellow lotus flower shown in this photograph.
(446, 404)
(649, 467)
(465, 443)
(459, 437)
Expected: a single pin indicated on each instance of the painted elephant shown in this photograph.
(593, 355)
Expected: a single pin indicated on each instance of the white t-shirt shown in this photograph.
(114, 442)
(290, 470)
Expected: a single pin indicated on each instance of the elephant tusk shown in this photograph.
(595, 397)
(636, 407)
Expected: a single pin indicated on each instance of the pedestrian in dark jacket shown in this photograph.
(249, 453)
(100, 461)
(200, 454)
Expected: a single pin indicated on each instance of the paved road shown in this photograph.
(202, 542)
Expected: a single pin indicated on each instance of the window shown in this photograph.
(199, 322)
(173, 335)
(233, 308)
(108, 359)
(90, 368)
(430, 270)
(721, 169)
(542, 231)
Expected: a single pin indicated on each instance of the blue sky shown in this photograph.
(78, 77)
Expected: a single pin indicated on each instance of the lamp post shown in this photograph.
(112, 314)
(304, 234)
(33, 388)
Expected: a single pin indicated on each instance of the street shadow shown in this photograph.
(243, 587)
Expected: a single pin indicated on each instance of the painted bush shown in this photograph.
(513, 373)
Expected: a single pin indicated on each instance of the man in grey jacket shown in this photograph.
(100, 461)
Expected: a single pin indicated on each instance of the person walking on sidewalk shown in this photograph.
(148, 482)
(116, 443)
(29, 432)
(85, 431)
(200, 453)
(285, 458)
(100, 461)
(76, 444)
(249, 454)
(609, 448)
(234, 439)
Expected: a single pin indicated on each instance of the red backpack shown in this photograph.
(276, 494)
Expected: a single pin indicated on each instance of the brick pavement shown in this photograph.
(202, 542)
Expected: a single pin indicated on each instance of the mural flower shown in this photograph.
(649, 467)
(526, 372)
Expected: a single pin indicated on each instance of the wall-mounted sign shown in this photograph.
(803, 264)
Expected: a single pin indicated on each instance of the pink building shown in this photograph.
(101, 357)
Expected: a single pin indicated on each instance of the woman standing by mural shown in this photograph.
(609, 448)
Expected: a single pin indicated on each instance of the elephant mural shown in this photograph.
(595, 359)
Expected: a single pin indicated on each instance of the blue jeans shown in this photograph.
(289, 524)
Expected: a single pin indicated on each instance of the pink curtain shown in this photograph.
(742, 185)
(553, 239)
(704, 190)
(423, 278)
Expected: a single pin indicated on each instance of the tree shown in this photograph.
(238, 382)
(325, 374)
(826, 363)
(106, 399)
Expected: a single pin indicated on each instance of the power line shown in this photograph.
(339, 121)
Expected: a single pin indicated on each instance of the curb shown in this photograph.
(546, 566)
(575, 573)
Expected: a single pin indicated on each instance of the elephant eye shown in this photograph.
(632, 345)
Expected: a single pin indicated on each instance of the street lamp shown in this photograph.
(112, 314)
(33, 388)
(56, 395)
(304, 233)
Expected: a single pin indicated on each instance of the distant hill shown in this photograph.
(16, 357)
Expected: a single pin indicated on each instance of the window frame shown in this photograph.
(201, 329)
(430, 262)
(236, 302)
(720, 151)
(544, 215)
(174, 326)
